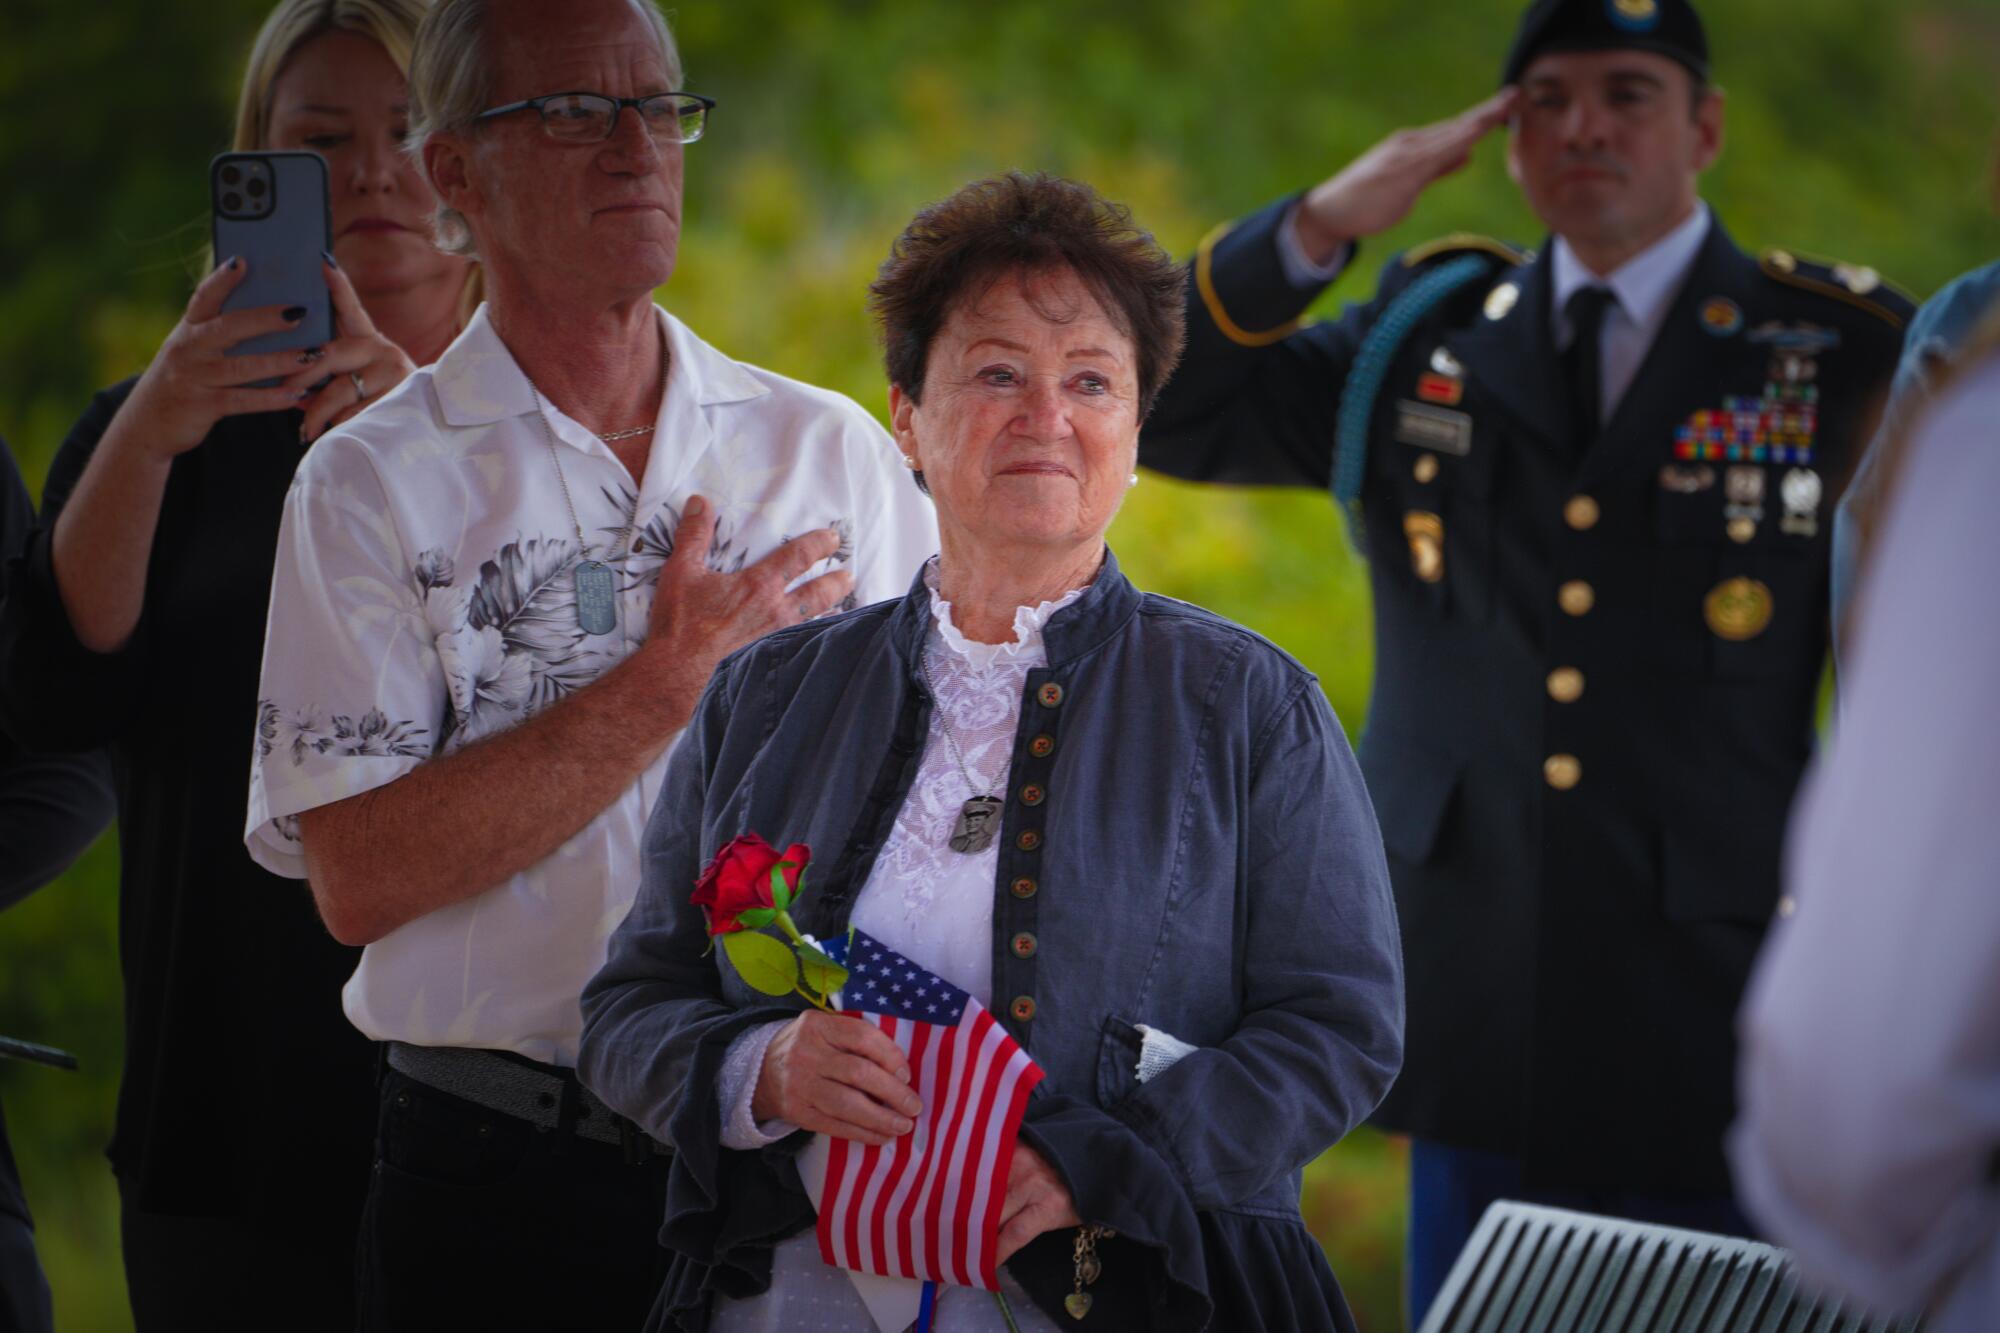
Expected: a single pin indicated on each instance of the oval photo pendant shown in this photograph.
(978, 822)
(596, 598)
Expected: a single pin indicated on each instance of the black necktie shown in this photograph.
(1583, 363)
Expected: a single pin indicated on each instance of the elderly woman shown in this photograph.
(1184, 919)
(135, 622)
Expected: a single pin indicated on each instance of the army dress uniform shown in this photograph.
(1598, 651)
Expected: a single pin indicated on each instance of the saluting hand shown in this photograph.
(1378, 189)
(836, 1075)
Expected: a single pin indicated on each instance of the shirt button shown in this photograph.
(1581, 513)
(1029, 840)
(1023, 1008)
(1576, 597)
(1032, 795)
(1565, 685)
(1024, 887)
(1562, 771)
(1042, 746)
(1024, 945)
(1050, 695)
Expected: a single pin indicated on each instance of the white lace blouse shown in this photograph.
(934, 906)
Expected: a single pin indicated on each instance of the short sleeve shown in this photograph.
(896, 527)
(353, 692)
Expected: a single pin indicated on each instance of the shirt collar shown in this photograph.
(478, 381)
(1644, 285)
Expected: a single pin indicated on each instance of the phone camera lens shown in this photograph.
(230, 175)
(232, 202)
(256, 187)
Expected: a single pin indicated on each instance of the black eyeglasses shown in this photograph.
(592, 117)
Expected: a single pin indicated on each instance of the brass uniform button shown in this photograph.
(1565, 685)
(1742, 530)
(1582, 513)
(1024, 945)
(1576, 597)
(1023, 1008)
(1042, 746)
(1050, 695)
(1426, 469)
(1024, 887)
(1782, 261)
(1029, 840)
(1032, 795)
(1738, 609)
(1562, 771)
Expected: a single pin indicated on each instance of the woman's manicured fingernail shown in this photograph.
(331, 262)
(294, 313)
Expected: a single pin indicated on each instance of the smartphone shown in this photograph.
(271, 209)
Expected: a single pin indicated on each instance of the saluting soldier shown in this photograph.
(1593, 484)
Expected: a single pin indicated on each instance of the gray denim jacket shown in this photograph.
(1187, 844)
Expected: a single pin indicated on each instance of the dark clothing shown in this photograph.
(186, 1274)
(24, 1290)
(245, 1094)
(1188, 845)
(1595, 670)
(1451, 1188)
(566, 1232)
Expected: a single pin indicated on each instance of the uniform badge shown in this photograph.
(1738, 609)
(1442, 389)
(1634, 15)
(1426, 534)
(1433, 428)
(1721, 317)
(1686, 480)
(1444, 363)
(1425, 469)
(1801, 491)
(1501, 300)
(1743, 490)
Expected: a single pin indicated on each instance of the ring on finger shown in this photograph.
(360, 389)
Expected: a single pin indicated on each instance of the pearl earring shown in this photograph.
(1132, 481)
(910, 463)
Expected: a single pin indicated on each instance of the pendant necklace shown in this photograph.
(979, 818)
(596, 586)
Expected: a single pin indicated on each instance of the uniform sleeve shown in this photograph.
(353, 692)
(1257, 394)
(1870, 1056)
(55, 694)
(895, 526)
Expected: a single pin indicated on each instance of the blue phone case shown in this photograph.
(281, 232)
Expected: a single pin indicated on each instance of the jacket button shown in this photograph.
(1425, 470)
(1565, 685)
(1024, 887)
(1050, 695)
(1581, 513)
(1029, 840)
(1562, 771)
(1576, 597)
(1042, 746)
(1033, 795)
(1023, 1008)
(1024, 945)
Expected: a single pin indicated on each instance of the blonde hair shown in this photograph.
(451, 82)
(392, 23)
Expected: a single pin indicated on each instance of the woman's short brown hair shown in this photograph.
(1020, 223)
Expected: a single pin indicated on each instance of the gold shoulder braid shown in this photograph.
(1087, 1268)
(1461, 241)
(1862, 288)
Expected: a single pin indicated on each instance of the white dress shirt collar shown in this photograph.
(1644, 285)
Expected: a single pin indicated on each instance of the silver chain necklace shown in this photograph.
(596, 586)
(979, 818)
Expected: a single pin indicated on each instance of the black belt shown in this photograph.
(545, 1096)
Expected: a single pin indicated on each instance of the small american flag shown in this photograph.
(927, 1206)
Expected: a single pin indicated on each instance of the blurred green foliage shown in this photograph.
(1857, 129)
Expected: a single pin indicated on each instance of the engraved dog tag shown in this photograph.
(596, 598)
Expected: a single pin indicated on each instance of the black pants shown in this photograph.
(24, 1291)
(478, 1220)
(193, 1274)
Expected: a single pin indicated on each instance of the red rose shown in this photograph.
(738, 880)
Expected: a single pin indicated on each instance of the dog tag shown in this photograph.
(596, 598)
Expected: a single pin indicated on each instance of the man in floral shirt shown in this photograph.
(499, 593)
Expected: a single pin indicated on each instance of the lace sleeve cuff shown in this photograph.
(737, 1086)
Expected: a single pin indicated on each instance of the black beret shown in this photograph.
(1669, 28)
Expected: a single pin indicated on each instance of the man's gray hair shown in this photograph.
(451, 82)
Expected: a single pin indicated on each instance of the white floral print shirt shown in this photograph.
(424, 597)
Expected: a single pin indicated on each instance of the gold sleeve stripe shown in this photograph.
(1463, 240)
(1205, 284)
(1775, 268)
